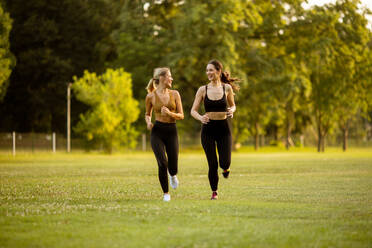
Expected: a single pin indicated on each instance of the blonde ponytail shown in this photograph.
(151, 86)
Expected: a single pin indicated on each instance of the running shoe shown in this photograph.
(226, 173)
(214, 195)
(166, 197)
(173, 181)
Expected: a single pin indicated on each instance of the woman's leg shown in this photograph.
(159, 151)
(224, 146)
(172, 149)
(209, 146)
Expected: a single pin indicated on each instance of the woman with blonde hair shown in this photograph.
(219, 104)
(167, 105)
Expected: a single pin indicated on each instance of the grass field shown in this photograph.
(272, 199)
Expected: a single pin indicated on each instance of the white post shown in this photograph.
(143, 142)
(68, 117)
(54, 142)
(14, 143)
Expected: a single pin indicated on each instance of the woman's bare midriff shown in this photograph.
(166, 119)
(217, 115)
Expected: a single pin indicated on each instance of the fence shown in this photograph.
(52, 142)
(35, 142)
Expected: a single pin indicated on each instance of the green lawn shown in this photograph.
(272, 199)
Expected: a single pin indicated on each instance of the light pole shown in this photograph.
(68, 117)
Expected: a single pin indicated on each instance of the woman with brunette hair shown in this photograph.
(167, 106)
(219, 104)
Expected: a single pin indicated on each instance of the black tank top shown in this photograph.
(215, 105)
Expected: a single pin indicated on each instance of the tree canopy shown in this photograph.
(300, 69)
(6, 58)
(113, 109)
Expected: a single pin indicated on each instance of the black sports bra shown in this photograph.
(219, 105)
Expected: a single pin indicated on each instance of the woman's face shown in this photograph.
(167, 79)
(212, 73)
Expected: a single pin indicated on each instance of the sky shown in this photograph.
(366, 3)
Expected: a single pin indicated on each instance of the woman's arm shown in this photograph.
(195, 107)
(230, 101)
(148, 114)
(179, 115)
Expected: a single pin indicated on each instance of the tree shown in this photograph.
(294, 88)
(6, 58)
(205, 30)
(53, 41)
(351, 64)
(113, 109)
(142, 43)
(318, 51)
(337, 54)
(138, 48)
(276, 85)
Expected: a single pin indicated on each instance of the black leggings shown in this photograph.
(216, 132)
(164, 138)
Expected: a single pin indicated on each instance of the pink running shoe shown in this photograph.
(226, 173)
(214, 195)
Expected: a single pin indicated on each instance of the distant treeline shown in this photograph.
(300, 68)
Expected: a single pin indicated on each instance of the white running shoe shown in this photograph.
(173, 181)
(166, 197)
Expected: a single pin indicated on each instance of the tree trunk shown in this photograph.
(324, 134)
(276, 138)
(302, 142)
(287, 143)
(320, 132)
(256, 145)
(321, 140)
(235, 146)
(320, 137)
(345, 134)
(108, 146)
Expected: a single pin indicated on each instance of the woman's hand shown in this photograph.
(165, 110)
(204, 119)
(230, 112)
(149, 126)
